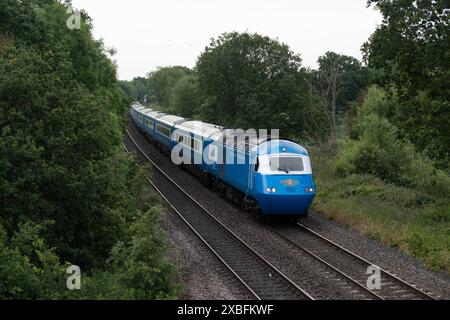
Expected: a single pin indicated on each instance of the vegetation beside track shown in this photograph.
(69, 193)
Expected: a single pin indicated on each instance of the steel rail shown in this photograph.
(389, 276)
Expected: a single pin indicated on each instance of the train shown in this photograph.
(261, 173)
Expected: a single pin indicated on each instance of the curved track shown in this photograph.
(258, 275)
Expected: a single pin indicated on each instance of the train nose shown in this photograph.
(287, 194)
(299, 184)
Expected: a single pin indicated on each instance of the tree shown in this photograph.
(411, 52)
(339, 79)
(61, 117)
(164, 79)
(138, 88)
(68, 191)
(185, 97)
(249, 80)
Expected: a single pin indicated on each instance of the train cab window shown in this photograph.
(286, 164)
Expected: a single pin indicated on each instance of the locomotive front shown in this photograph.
(283, 180)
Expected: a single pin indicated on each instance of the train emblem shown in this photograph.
(289, 182)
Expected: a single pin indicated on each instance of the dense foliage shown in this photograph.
(378, 151)
(138, 89)
(410, 51)
(254, 81)
(65, 182)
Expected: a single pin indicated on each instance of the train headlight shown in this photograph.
(268, 189)
(309, 189)
(274, 190)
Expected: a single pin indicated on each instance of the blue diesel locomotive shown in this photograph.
(267, 175)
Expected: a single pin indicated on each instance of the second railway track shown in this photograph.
(350, 266)
(257, 274)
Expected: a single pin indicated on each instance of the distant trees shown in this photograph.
(339, 80)
(410, 52)
(185, 98)
(163, 80)
(137, 89)
(249, 80)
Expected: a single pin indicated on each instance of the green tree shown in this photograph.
(164, 79)
(250, 80)
(61, 117)
(411, 52)
(185, 98)
(138, 88)
(68, 191)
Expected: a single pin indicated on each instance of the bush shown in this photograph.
(28, 268)
(376, 152)
(141, 261)
(381, 153)
(377, 102)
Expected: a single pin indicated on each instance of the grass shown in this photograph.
(416, 223)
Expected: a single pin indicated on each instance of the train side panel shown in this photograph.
(236, 173)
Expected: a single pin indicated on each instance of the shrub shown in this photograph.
(141, 263)
(28, 268)
(381, 153)
(376, 152)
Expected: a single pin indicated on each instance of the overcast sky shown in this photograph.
(150, 33)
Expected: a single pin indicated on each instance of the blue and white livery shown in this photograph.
(271, 176)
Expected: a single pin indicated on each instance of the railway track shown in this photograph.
(350, 266)
(335, 262)
(263, 280)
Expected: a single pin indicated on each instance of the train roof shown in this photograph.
(199, 128)
(239, 139)
(139, 108)
(152, 113)
(169, 119)
(250, 141)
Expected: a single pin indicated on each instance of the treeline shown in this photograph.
(248, 80)
(69, 193)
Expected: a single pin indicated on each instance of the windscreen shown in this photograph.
(286, 164)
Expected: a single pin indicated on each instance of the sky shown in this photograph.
(148, 34)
